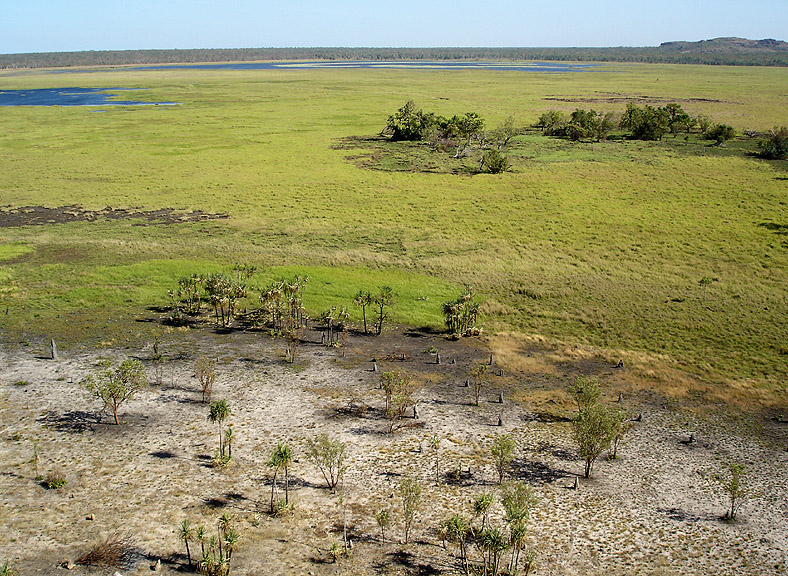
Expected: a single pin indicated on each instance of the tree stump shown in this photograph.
(577, 483)
(620, 364)
(438, 358)
(374, 366)
(620, 397)
(453, 360)
(416, 417)
(467, 383)
(491, 359)
(500, 420)
(500, 372)
(53, 349)
(500, 397)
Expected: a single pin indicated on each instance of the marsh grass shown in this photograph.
(597, 244)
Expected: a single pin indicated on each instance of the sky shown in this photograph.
(73, 25)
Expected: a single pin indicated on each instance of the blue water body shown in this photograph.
(69, 97)
(416, 64)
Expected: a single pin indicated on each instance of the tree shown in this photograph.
(410, 492)
(435, 444)
(720, 133)
(462, 314)
(385, 299)
(479, 379)
(775, 145)
(494, 544)
(647, 123)
(517, 499)
(457, 530)
(678, 119)
(409, 123)
(218, 412)
(114, 386)
(205, 369)
(504, 132)
(734, 488)
(502, 451)
(399, 390)
(187, 534)
(593, 430)
(280, 459)
(551, 122)
(469, 127)
(329, 457)
(494, 162)
(586, 391)
(383, 519)
(481, 506)
(362, 300)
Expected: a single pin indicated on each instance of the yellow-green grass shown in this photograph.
(601, 244)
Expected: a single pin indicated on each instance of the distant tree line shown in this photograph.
(732, 55)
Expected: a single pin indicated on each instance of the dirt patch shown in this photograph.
(656, 507)
(42, 215)
(625, 99)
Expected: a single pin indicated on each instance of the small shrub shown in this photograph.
(283, 508)
(720, 133)
(114, 551)
(6, 570)
(55, 480)
(775, 145)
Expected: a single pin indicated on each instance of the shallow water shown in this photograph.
(69, 97)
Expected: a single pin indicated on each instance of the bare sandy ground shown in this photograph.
(655, 510)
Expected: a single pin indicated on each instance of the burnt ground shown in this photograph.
(655, 510)
(42, 215)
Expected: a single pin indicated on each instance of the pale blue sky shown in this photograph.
(63, 25)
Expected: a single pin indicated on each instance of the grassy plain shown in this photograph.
(594, 244)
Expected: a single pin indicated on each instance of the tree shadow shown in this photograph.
(162, 454)
(781, 229)
(538, 472)
(73, 422)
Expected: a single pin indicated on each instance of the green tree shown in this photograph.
(383, 519)
(384, 300)
(205, 369)
(593, 430)
(462, 314)
(734, 487)
(410, 493)
(647, 123)
(114, 386)
(362, 300)
(502, 451)
(494, 543)
(503, 133)
(775, 145)
(585, 390)
(280, 459)
(721, 133)
(409, 123)
(329, 456)
(457, 531)
(479, 379)
(494, 162)
(481, 506)
(218, 411)
(187, 534)
(399, 390)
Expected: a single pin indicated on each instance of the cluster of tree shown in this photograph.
(458, 134)
(462, 314)
(222, 291)
(491, 542)
(763, 53)
(217, 550)
(641, 122)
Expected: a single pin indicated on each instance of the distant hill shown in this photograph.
(720, 51)
(727, 46)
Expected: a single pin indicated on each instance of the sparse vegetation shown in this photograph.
(410, 493)
(205, 370)
(115, 386)
(329, 456)
(734, 485)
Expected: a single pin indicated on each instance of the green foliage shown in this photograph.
(502, 451)
(218, 412)
(720, 133)
(481, 506)
(735, 487)
(55, 480)
(383, 519)
(114, 386)
(494, 162)
(6, 570)
(410, 493)
(646, 123)
(399, 389)
(775, 145)
(409, 123)
(280, 458)
(384, 300)
(585, 390)
(329, 456)
(462, 314)
(593, 429)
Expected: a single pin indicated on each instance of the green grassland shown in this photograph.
(595, 243)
